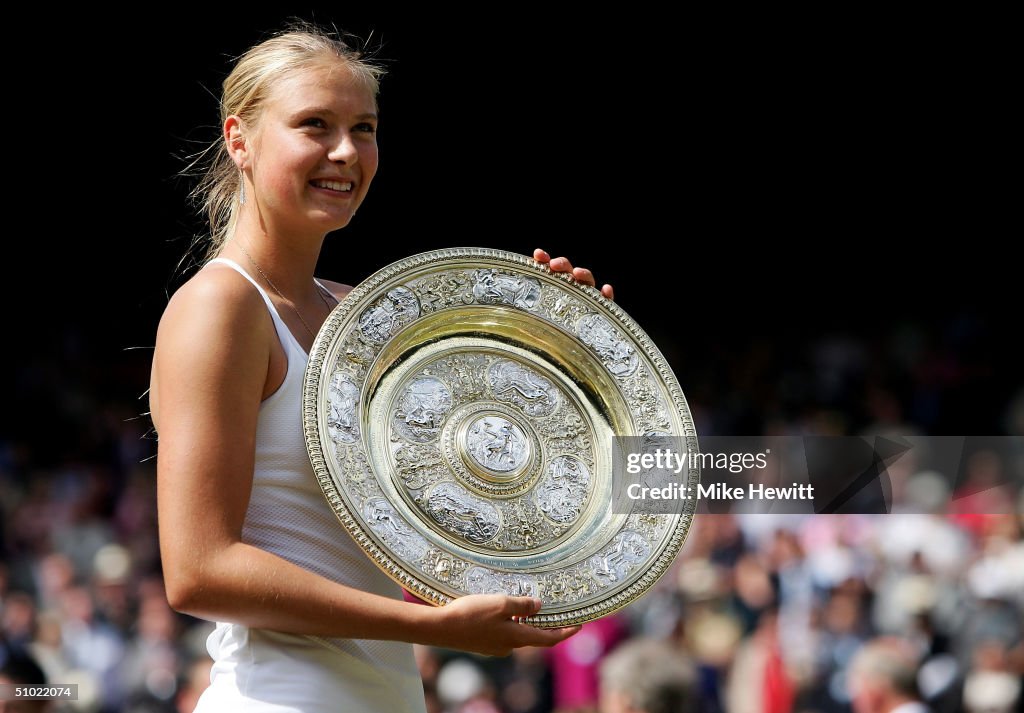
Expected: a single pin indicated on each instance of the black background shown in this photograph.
(745, 182)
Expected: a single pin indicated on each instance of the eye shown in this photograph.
(366, 127)
(315, 122)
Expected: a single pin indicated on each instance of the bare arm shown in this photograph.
(210, 368)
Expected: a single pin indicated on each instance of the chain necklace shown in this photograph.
(279, 294)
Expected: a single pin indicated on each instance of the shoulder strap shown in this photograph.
(238, 268)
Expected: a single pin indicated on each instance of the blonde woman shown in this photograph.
(305, 621)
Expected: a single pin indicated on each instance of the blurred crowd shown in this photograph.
(759, 614)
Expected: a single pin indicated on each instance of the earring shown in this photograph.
(241, 196)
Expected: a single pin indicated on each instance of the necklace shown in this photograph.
(279, 294)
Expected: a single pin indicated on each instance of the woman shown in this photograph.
(305, 621)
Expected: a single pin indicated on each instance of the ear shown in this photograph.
(237, 141)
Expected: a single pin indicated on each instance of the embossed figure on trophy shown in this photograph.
(341, 415)
(423, 416)
(569, 469)
(562, 308)
(564, 489)
(459, 512)
(493, 287)
(343, 411)
(483, 581)
(398, 307)
(412, 457)
(419, 466)
(358, 351)
(379, 513)
(500, 448)
(525, 532)
(523, 523)
(422, 408)
(566, 587)
(480, 580)
(616, 353)
(567, 432)
(556, 588)
(524, 387)
(394, 531)
(443, 290)
(497, 444)
(610, 347)
(464, 373)
(609, 564)
(559, 503)
(579, 587)
(515, 384)
(613, 564)
(430, 299)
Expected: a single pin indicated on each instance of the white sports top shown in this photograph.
(263, 671)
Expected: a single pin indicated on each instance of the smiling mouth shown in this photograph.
(335, 186)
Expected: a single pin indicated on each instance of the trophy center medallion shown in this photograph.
(498, 446)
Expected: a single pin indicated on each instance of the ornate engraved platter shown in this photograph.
(460, 408)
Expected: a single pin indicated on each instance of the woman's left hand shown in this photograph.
(580, 274)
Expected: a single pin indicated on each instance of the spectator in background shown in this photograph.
(648, 676)
(883, 678)
(994, 683)
(574, 663)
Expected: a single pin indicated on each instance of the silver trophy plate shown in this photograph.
(460, 409)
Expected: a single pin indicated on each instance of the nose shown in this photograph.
(344, 149)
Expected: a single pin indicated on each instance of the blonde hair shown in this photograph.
(298, 46)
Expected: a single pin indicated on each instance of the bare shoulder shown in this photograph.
(338, 289)
(218, 301)
(215, 335)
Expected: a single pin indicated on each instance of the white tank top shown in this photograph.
(263, 671)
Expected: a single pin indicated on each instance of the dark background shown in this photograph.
(758, 188)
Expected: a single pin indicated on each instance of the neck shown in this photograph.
(288, 258)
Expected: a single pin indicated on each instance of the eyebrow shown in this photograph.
(369, 116)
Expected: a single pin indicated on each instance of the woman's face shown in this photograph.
(315, 150)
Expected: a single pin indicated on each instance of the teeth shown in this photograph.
(334, 185)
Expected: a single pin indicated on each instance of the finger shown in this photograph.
(566, 631)
(522, 606)
(608, 292)
(550, 637)
(541, 256)
(584, 275)
(561, 264)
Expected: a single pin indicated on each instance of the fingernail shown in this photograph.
(537, 603)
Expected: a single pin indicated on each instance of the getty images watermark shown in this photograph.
(673, 462)
(818, 474)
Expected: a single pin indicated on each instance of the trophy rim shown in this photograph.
(343, 317)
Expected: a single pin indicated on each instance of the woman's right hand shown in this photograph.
(487, 624)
